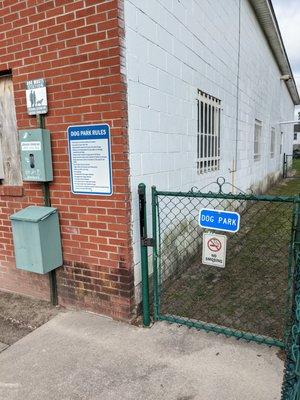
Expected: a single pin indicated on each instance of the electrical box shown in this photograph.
(36, 237)
(36, 160)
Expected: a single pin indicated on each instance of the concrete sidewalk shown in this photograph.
(80, 356)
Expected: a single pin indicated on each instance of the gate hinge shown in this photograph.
(147, 242)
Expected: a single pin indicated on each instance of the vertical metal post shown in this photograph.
(155, 272)
(284, 166)
(297, 229)
(291, 381)
(47, 201)
(295, 345)
(144, 254)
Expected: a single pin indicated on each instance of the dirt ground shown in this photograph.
(20, 315)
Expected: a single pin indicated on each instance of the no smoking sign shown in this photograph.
(214, 250)
(214, 244)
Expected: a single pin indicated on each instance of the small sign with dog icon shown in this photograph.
(36, 97)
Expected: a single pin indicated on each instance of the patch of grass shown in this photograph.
(251, 292)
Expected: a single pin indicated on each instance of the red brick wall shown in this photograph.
(77, 46)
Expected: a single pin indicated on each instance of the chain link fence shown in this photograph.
(291, 381)
(291, 166)
(251, 298)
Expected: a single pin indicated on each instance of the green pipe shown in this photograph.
(154, 257)
(144, 254)
(249, 337)
(40, 119)
(212, 195)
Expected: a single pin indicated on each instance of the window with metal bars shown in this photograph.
(257, 139)
(208, 137)
(272, 145)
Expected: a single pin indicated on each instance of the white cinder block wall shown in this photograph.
(174, 48)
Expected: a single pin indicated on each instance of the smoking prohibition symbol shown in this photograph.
(214, 244)
(214, 249)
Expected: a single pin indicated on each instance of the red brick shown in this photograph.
(77, 49)
(14, 191)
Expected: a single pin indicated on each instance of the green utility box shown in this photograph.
(36, 160)
(36, 236)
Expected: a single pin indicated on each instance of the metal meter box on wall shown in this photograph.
(36, 160)
(36, 237)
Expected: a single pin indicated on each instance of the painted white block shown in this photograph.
(174, 48)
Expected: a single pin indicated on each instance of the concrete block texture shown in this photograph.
(180, 47)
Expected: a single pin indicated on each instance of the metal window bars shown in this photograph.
(208, 136)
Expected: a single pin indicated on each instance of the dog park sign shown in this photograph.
(219, 220)
(214, 246)
(36, 97)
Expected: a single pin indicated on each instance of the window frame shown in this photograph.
(273, 142)
(10, 162)
(208, 133)
(257, 140)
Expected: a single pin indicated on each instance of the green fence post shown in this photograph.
(291, 381)
(154, 257)
(144, 254)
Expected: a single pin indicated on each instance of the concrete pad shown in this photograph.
(78, 356)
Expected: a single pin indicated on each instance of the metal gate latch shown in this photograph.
(147, 242)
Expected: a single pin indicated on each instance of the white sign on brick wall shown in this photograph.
(36, 97)
(90, 159)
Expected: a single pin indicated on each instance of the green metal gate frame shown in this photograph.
(291, 344)
(291, 381)
(209, 327)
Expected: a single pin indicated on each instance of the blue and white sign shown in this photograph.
(90, 159)
(219, 220)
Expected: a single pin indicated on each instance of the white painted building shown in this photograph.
(209, 82)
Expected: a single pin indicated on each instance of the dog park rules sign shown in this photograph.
(214, 250)
(36, 97)
(90, 159)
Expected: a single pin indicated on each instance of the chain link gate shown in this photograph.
(291, 381)
(291, 166)
(255, 297)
